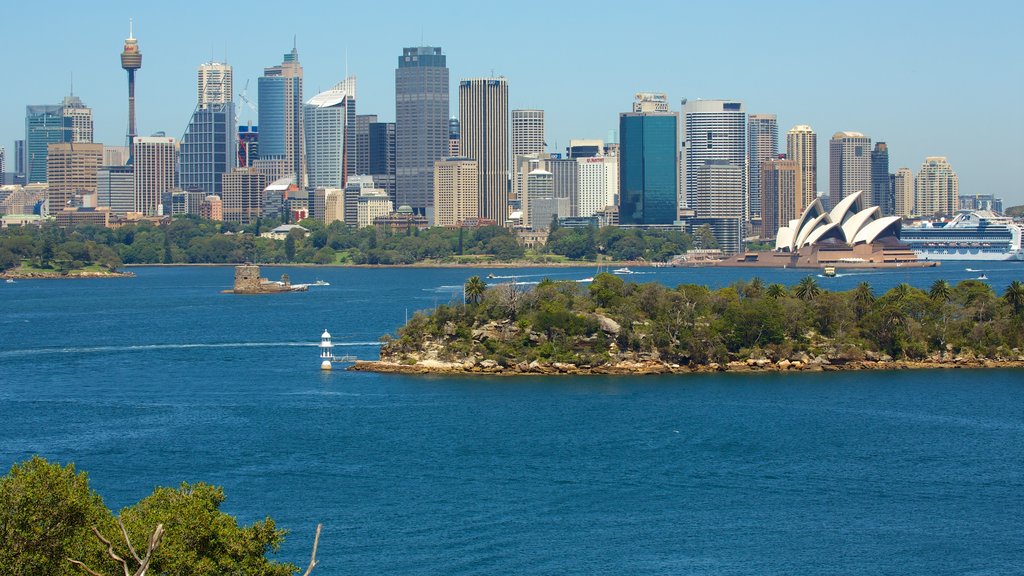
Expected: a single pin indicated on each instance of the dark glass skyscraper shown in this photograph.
(208, 148)
(280, 115)
(381, 156)
(421, 124)
(882, 191)
(648, 167)
(44, 125)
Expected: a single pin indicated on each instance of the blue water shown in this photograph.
(161, 379)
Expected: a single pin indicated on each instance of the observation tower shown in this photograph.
(131, 60)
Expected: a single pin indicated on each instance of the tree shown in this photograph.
(1014, 296)
(940, 291)
(289, 247)
(704, 238)
(776, 291)
(475, 288)
(807, 288)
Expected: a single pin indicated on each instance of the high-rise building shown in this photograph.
(527, 132)
(454, 135)
(330, 122)
(781, 195)
(802, 147)
(579, 148)
(650, 102)
(362, 155)
(421, 124)
(115, 155)
(44, 125)
(849, 170)
(281, 119)
(455, 191)
(881, 189)
(214, 84)
(936, 188)
(543, 206)
(333, 204)
(71, 173)
(903, 191)
(483, 119)
(81, 118)
(721, 202)
(648, 167)
(353, 190)
(3, 162)
(714, 130)
(20, 159)
(212, 208)
(242, 195)
(381, 161)
(373, 203)
(154, 161)
(565, 184)
(597, 183)
(762, 144)
(115, 187)
(248, 145)
(131, 61)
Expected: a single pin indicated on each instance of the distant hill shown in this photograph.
(1015, 211)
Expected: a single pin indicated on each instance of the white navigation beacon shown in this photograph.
(326, 350)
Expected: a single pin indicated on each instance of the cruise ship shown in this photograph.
(978, 235)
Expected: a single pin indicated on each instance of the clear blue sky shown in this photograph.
(930, 78)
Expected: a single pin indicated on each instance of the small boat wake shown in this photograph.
(155, 347)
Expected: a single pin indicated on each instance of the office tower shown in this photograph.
(455, 191)
(714, 130)
(421, 124)
(242, 195)
(44, 125)
(721, 202)
(209, 146)
(353, 190)
(762, 144)
(214, 84)
(71, 172)
(330, 124)
(597, 184)
(154, 161)
(542, 204)
(329, 204)
(565, 181)
(362, 154)
(3, 158)
(849, 170)
(802, 147)
(131, 61)
(184, 202)
(881, 190)
(936, 188)
(115, 188)
(781, 195)
(20, 159)
(903, 191)
(579, 148)
(650, 102)
(648, 166)
(115, 155)
(527, 132)
(248, 145)
(373, 203)
(212, 208)
(280, 119)
(382, 156)
(483, 119)
(454, 135)
(981, 202)
(81, 118)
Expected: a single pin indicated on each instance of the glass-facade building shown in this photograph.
(648, 168)
(421, 124)
(44, 125)
(882, 192)
(381, 156)
(208, 149)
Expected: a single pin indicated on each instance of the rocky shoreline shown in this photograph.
(649, 367)
(18, 275)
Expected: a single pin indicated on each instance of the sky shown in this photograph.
(935, 78)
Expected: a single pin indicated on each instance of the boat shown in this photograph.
(830, 272)
(10, 280)
(982, 277)
(624, 270)
(981, 235)
(320, 283)
(491, 275)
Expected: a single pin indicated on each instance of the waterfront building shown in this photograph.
(456, 198)
(762, 144)
(242, 195)
(154, 161)
(597, 184)
(115, 188)
(483, 120)
(71, 170)
(527, 132)
(849, 168)
(330, 124)
(362, 154)
(648, 167)
(382, 156)
(44, 125)
(81, 118)
(902, 183)
(713, 130)
(281, 119)
(421, 124)
(881, 185)
(373, 203)
(802, 147)
(781, 194)
(720, 197)
(936, 188)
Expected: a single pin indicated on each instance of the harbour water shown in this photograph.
(161, 379)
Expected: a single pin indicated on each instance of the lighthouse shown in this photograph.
(326, 351)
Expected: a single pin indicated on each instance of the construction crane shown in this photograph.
(244, 97)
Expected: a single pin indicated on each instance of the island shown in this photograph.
(618, 327)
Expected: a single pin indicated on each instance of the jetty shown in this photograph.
(249, 281)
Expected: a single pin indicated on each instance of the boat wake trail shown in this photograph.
(152, 347)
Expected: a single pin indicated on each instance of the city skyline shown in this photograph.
(912, 117)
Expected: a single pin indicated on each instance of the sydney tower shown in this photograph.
(131, 60)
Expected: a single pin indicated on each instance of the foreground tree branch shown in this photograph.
(313, 561)
(154, 541)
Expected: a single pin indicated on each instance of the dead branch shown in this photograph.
(144, 563)
(313, 561)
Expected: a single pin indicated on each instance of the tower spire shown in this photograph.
(131, 28)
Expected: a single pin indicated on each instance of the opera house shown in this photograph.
(849, 236)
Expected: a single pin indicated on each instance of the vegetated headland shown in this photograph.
(618, 327)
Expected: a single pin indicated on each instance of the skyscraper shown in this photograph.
(881, 189)
(242, 199)
(71, 171)
(81, 118)
(483, 119)
(131, 61)
(936, 188)
(721, 202)
(527, 132)
(455, 191)
(762, 144)
(281, 119)
(115, 187)
(154, 161)
(802, 147)
(44, 125)
(714, 130)
(597, 184)
(781, 195)
(362, 155)
(903, 191)
(454, 136)
(209, 146)
(849, 170)
(382, 156)
(648, 167)
(330, 124)
(421, 124)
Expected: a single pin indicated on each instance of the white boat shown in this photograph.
(972, 236)
(982, 277)
(320, 283)
(625, 270)
(10, 280)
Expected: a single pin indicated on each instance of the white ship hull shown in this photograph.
(967, 255)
